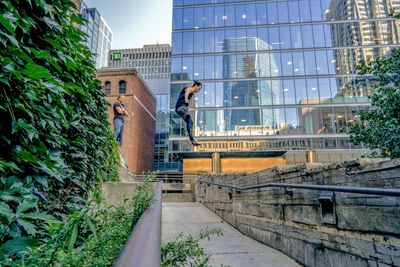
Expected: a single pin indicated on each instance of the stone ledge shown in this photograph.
(365, 230)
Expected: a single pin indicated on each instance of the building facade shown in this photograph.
(277, 75)
(153, 62)
(140, 103)
(78, 4)
(99, 35)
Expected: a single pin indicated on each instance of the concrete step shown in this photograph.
(178, 197)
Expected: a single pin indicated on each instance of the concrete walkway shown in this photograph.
(233, 248)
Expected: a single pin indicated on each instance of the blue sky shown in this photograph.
(136, 22)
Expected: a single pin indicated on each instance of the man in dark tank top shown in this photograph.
(182, 105)
(119, 118)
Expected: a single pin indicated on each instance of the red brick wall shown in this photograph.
(139, 128)
(78, 4)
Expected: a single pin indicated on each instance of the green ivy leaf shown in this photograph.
(72, 238)
(28, 157)
(91, 226)
(6, 211)
(27, 204)
(29, 227)
(10, 165)
(10, 38)
(7, 20)
(41, 54)
(28, 128)
(52, 24)
(37, 72)
(42, 180)
(18, 245)
(18, 187)
(49, 169)
(38, 216)
(7, 197)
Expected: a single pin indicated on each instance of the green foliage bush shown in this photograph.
(93, 236)
(186, 250)
(379, 127)
(55, 140)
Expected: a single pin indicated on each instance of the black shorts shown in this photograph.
(183, 112)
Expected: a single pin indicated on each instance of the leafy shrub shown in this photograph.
(379, 127)
(186, 250)
(55, 140)
(93, 236)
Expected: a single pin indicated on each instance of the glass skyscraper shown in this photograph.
(98, 35)
(277, 75)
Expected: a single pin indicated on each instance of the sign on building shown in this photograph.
(116, 56)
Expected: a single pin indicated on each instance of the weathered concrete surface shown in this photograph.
(115, 193)
(361, 230)
(233, 248)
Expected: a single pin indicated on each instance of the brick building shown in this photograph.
(140, 103)
(78, 4)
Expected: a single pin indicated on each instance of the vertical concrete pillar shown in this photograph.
(310, 156)
(216, 163)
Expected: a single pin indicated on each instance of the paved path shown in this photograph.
(233, 248)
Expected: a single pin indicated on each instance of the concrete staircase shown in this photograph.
(177, 187)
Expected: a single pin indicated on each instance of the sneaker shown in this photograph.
(194, 142)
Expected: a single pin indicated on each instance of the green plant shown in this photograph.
(93, 236)
(379, 127)
(186, 250)
(55, 139)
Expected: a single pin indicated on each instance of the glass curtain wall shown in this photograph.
(276, 74)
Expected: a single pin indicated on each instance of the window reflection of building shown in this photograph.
(359, 34)
(248, 93)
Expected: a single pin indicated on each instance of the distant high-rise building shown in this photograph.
(153, 63)
(99, 35)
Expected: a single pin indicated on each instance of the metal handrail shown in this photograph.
(344, 189)
(143, 248)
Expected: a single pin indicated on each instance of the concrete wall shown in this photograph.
(115, 193)
(360, 230)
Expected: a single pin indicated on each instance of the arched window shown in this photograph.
(108, 87)
(122, 87)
